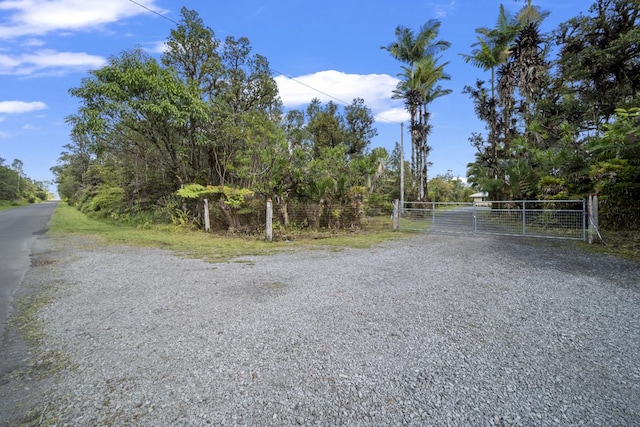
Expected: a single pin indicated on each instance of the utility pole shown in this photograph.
(401, 166)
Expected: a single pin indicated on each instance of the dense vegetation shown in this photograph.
(153, 138)
(565, 127)
(18, 189)
(206, 120)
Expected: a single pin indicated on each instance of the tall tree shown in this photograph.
(599, 61)
(359, 127)
(134, 107)
(514, 51)
(247, 89)
(419, 88)
(18, 166)
(192, 51)
(490, 52)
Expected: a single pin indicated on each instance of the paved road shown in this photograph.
(19, 229)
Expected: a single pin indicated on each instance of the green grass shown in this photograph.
(7, 204)
(624, 244)
(210, 246)
(44, 361)
(415, 224)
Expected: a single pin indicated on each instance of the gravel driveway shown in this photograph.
(434, 330)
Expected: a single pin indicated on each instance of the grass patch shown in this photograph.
(27, 321)
(8, 204)
(45, 360)
(210, 246)
(625, 244)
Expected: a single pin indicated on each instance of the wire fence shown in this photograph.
(536, 218)
(565, 219)
(294, 217)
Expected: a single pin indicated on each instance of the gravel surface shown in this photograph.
(435, 330)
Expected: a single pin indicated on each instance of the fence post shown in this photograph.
(396, 215)
(207, 223)
(269, 221)
(524, 218)
(585, 213)
(433, 214)
(592, 214)
(474, 216)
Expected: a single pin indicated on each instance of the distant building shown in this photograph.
(480, 197)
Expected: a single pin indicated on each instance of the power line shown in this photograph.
(310, 87)
(273, 69)
(325, 94)
(380, 116)
(153, 11)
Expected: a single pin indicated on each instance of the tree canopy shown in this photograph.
(155, 136)
(552, 122)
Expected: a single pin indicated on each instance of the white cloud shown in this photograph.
(17, 107)
(157, 47)
(339, 87)
(392, 115)
(34, 42)
(442, 9)
(39, 17)
(47, 60)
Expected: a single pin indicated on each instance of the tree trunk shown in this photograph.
(232, 220)
(284, 211)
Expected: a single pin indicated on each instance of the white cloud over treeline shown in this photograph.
(30, 21)
(341, 88)
(39, 17)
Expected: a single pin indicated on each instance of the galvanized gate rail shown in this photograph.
(558, 219)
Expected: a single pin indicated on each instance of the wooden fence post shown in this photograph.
(207, 224)
(396, 215)
(269, 222)
(594, 231)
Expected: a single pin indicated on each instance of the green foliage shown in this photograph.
(599, 60)
(107, 202)
(447, 188)
(616, 170)
(193, 191)
(418, 88)
(208, 112)
(551, 187)
(233, 197)
(17, 189)
(566, 134)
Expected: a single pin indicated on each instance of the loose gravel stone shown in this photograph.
(434, 330)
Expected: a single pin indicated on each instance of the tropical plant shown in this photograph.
(418, 88)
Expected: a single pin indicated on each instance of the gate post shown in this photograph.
(474, 217)
(592, 214)
(524, 218)
(396, 215)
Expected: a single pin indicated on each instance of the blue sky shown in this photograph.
(47, 47)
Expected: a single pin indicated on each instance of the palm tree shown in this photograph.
(527, 71)
(492, 47)
(491, 51)
(418, 88)
(530, 14)
(410, 48)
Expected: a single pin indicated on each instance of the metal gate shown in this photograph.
(558, 219)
